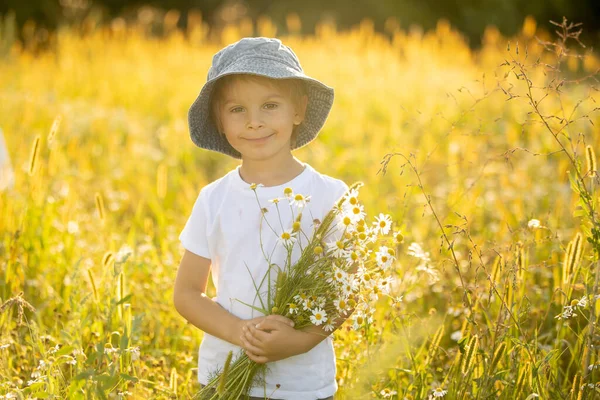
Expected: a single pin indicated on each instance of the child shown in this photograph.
(257, 105)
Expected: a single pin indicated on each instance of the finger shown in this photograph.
(259, 335)
(257, 359)
(250, 347)
(271, 324)
(252, 339)
(280, 318)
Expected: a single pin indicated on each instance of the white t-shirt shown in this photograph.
(225, 227)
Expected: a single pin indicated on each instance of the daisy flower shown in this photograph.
(329, 328)
(351, 198)
(349, 285)
(293, 308)
(337, 248)
(358, 320)
(383, 223)
(356, 213)
(341, 305)
(387, 393)
(439, 392)
(288, 192)
(318, 316)
(287, 237)
(384, 257)
(299, 200)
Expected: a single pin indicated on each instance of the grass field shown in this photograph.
(486, 174)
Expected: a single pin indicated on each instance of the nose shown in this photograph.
(254, 120)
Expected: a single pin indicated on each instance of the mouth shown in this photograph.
(259, 140)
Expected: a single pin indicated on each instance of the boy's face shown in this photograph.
(258, 118)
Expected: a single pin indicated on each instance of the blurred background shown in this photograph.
(468, 16)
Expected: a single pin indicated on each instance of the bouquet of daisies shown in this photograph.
(343, 269)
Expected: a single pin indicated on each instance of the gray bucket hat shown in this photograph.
(264, 57)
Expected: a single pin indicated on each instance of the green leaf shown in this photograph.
(64, 350)
(129, 377)
(124, 299)
(254, 307)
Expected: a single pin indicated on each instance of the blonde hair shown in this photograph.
(294, 87)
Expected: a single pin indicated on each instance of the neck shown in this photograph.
(272, 172)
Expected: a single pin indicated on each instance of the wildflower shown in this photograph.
(384, 257)
(287, 237)
(456, 336)
(318, 250)
(351, 198)
(293, 308)
(582, 302)
(275, 200)
(356, 213)
(338, 275)
(329, 327)
(439, 392)
(300, 200)
(288, 192)
(534, 224)
(358, 320)
(387, 393)
(319, 316)
(349, 285)
(567, 312)
(415, 250)
(399, 237)
(383, 223)
(337, 248)
(341, 305)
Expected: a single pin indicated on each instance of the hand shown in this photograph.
(272, 339)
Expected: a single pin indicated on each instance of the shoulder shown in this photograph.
(216, 188)
(332, 185)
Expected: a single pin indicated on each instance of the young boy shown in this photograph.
(257, 105)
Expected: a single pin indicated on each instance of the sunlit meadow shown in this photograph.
(497, 290)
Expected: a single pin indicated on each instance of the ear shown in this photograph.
(301, 110)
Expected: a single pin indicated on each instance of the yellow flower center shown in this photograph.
(360, 320)
(318, 250)
(353, 200)
(318, 316)
(298, 197)
(286, 236)
(382, 224)
(342, 304)
(391, 252)
(352, 303)
(347, 221)
(296, 226)
(384, 259)
(367, 277)
(362, 236)
(354, 256)
(287, 191)
(339, 245)
(356, 210)
(360, 228)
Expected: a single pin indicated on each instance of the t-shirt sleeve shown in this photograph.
(193, 237)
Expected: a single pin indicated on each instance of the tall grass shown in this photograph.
(486, 170)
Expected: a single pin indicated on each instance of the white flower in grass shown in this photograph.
(349, 286)
(383, 223)
(299, 200)
(583, 302)
(416, 250)
(321, 301)
(293, 308)
(358, 320)
(318, 316)
(337, 275)
(534, 224)
(276, 200)
(341, 305)
(387, 393)
(287, 237)
(439, 392)
(384, 257)
(356, 213)
(567, 312)
(337, 249)
(351, 198)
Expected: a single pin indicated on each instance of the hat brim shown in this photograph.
(205, 134)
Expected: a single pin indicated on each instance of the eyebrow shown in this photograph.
(269, 97)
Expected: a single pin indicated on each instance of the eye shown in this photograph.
(271, 106)
(236, 109)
